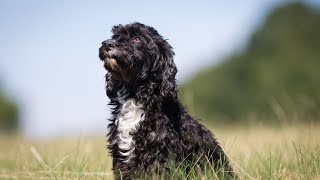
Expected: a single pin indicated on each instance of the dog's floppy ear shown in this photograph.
(112, 86)
(165, 70)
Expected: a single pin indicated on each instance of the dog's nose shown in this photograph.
(108, 44)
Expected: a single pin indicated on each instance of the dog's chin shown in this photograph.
(111, 65)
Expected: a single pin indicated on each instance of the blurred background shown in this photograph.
(239, 63)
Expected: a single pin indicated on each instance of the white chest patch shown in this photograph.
(128, 119)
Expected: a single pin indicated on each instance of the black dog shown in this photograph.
(149, 126)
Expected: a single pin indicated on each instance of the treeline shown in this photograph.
(275, 78)
(8, 114)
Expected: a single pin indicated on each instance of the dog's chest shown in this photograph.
(127, 121)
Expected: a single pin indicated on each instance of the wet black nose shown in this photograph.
(108, 44)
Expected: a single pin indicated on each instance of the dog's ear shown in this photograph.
(166, 70)
(112, 86)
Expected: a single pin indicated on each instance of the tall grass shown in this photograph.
(256, 152)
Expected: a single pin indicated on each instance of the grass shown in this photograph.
(256, 152)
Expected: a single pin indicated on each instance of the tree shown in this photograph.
(277, 75)
(8, 114)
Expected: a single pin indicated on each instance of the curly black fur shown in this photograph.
(141, 68)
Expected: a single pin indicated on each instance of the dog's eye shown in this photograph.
(115, 36)
(136, 39)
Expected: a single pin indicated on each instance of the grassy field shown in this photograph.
(256, 152)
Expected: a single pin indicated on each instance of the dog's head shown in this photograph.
(137, 54)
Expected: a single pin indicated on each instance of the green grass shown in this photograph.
(256, 152)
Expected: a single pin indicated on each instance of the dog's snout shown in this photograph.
(108, 44)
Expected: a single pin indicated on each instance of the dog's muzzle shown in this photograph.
(109, 44)
(107, 54)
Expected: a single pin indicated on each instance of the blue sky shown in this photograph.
(49, 51)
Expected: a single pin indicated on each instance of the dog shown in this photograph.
(149, 126)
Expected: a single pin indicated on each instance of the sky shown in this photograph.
(49, 51)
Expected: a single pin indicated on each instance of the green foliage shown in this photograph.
(277, 76)
(8, 114)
